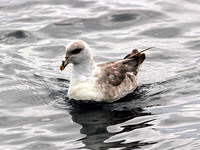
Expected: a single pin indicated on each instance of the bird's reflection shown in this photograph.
(95, 118)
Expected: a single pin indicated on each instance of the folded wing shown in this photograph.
(119, 78)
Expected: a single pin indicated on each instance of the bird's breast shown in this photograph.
(83, 90)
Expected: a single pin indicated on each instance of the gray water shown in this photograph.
(164, 111)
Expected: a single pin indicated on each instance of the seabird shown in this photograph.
(107, 82)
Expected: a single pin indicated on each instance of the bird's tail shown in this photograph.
(137, 56)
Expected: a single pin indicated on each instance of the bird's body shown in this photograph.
(106, 82)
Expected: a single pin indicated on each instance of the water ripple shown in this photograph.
(162, 113)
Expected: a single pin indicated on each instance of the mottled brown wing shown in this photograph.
(115, 72)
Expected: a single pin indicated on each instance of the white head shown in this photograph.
(77, 52)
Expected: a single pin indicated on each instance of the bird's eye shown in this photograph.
(76, 51)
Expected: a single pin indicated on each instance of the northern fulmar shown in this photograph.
(105, 82)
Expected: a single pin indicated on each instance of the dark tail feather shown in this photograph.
(139, 57)
(134, 51)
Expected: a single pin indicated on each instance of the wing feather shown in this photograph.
(118, 78)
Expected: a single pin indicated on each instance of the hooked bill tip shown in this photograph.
(61, 67)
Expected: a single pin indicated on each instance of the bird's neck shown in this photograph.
(85, 69)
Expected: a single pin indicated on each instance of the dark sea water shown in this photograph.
(164, 111)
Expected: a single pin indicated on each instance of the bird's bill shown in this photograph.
(64, 64)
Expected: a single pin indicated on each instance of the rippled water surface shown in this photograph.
(163, 113)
